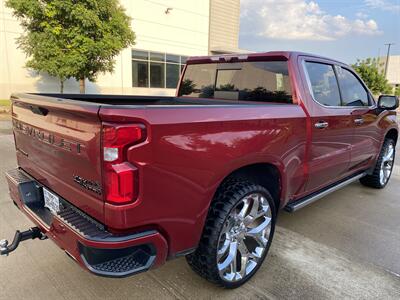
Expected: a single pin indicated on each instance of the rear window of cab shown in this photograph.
(261, 81)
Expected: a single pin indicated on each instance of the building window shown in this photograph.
(156, 69)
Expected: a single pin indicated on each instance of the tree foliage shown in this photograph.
(72, 39)
(369, 71)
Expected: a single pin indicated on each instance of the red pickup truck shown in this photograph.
(123, 183)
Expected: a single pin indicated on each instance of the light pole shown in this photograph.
(387, 56)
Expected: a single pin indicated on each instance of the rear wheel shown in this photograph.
(384, 167)
(237, 234)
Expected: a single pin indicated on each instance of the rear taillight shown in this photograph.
(120, 176)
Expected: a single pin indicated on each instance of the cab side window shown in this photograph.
(353, 92)
(323, 82)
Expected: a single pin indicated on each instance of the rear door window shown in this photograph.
(324, 85)
(266, 81)
(353, 92)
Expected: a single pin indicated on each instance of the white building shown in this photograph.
(167, 32)
(393, 69)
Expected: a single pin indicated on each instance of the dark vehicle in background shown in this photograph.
(123, 183)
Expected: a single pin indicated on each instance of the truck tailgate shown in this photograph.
(58, 143)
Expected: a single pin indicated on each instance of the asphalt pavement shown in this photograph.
(346, 245)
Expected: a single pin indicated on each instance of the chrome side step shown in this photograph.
(296, 205)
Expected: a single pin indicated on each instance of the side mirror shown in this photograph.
(388, 102)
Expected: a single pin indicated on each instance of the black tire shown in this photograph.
(374, 180)
(204, 260)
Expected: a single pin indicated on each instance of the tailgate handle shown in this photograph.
(39, 110)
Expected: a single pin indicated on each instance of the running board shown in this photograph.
(296, 205)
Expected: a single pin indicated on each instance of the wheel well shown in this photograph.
(392, 134)
(264, 174)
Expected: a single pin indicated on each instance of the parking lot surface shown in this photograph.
(346, 245)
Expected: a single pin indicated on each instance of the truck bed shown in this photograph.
(140, 100)
(58, 138)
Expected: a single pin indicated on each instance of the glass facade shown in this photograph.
(156, 69)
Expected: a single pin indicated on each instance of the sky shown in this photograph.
(339, 29)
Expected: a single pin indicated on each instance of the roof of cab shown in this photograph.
(254, 57)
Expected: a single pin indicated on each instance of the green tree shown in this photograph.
(397, 91)
(369, 71)
(187, 87)
(72, 39)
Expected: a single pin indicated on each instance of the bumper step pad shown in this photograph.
(86, 226)
(118, 262)
(125, 264)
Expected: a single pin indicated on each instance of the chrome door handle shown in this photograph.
(321, 125)
(359, 121)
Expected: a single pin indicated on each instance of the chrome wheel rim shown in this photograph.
(386, 165)
(244, 237)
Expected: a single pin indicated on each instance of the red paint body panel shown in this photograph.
(47, 148)
(191, 149)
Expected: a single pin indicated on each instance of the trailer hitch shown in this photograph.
(32, 233)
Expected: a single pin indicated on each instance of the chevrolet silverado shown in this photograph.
(124, 183)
